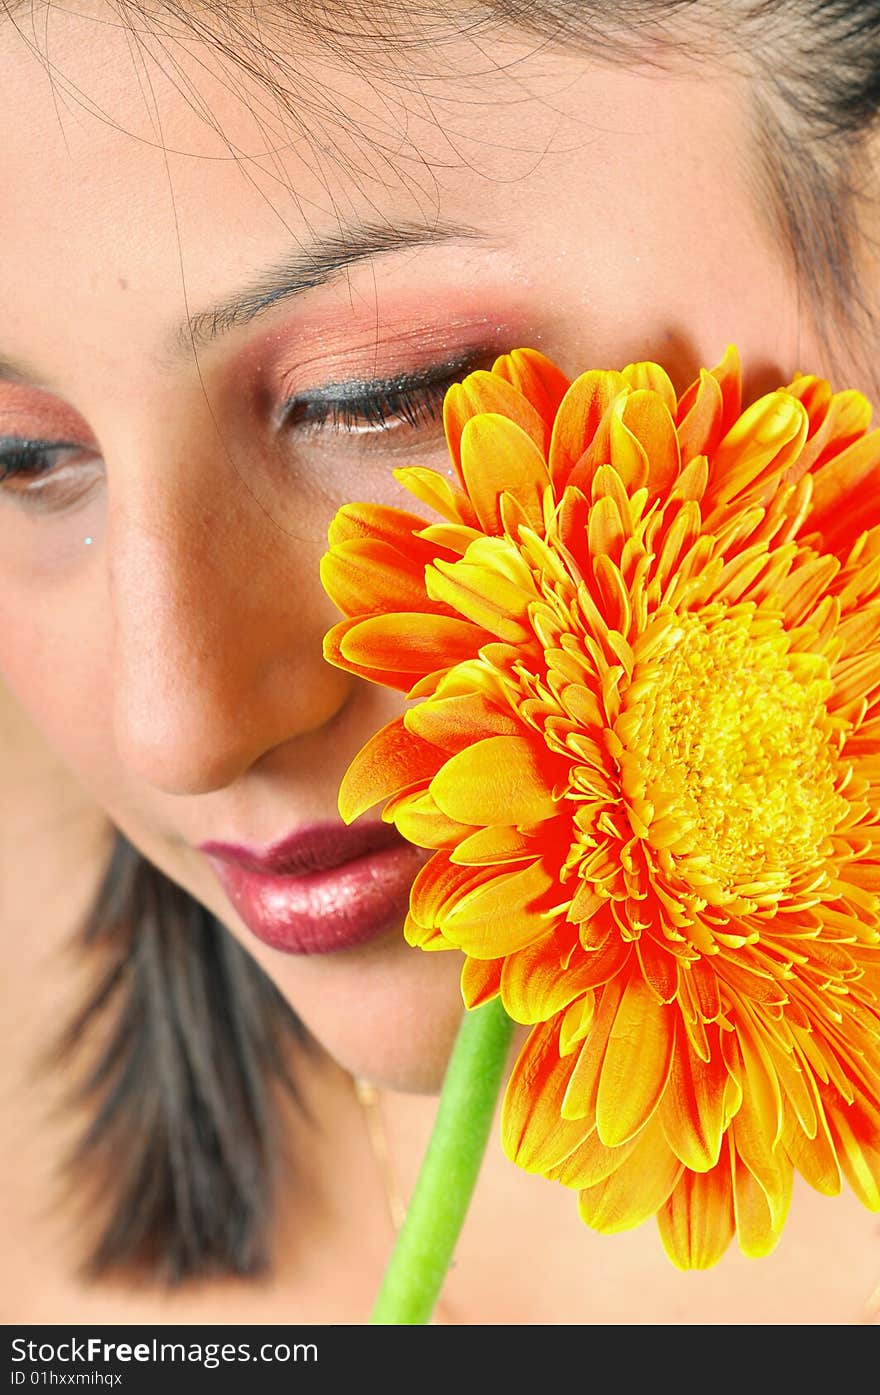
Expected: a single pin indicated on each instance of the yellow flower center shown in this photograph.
(735, 747)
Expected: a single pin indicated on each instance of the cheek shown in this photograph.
(54, 657)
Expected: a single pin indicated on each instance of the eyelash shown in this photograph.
(416, 399)
(412, 399)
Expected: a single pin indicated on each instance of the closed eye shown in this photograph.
(357, 406)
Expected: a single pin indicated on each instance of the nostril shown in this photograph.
(199, 729)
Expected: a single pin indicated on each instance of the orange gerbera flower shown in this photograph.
(647, 756)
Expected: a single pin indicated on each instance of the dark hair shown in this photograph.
(175, 1171)
(183, 1090)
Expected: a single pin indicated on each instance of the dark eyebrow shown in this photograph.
(310, 266)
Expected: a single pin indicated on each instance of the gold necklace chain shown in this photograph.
(371, 1109)
(368, 1099)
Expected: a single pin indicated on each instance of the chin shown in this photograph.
(385, 1012)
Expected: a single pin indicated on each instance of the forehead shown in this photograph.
(146, 173)
(142, 160)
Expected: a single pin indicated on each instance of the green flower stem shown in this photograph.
(421, 1258)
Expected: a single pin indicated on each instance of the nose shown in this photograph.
(217, 619)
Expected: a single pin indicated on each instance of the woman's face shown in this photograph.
(161, 614)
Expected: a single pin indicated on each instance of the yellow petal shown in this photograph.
(502, 779)
(498, 605)
(636, 1190)
(692, 1113)
(650, 377)
(764, 440)
(502, 915)
(636, 1065)
(591, 1162)
(417, 817)
(758, 1222)
(434, 489)
(482, 392)
(583, 1087)
(498, 457)
(495, 844)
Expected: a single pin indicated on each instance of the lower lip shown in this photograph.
(324, 912)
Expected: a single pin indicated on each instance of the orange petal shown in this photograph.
(607, 530)
(647, 417)
(377, 521)
(577, 421)
(728, 374)
(365, 576)
(535, 982)
(390, 760)
(536, 377)
(411, 642)
(480, 981)
(533, 1132)
(437, 884)
(696, 1222)
(836, 420)
(846, 494)
(333, 653)
(699, 418)
(856, 1133)
(502, 779)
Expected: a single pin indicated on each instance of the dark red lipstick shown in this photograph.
(324, 888)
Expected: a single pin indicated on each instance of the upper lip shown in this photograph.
(315, 848)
